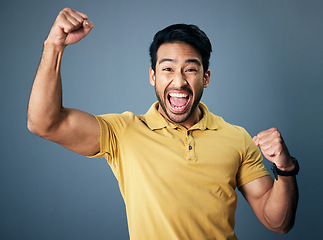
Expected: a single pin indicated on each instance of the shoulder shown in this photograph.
(125, 116)
(213, 121)
(119, 121)
(225, 126)
(230, 133)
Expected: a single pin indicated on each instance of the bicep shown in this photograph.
(256, 193)
(77, 131)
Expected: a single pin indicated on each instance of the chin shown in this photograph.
(179, 117)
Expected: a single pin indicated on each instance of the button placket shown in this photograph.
(190, 147)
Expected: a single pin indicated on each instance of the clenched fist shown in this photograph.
(69, 27)
(274, 149)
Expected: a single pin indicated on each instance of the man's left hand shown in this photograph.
(274, 149)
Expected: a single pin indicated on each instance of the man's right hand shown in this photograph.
(69, 28)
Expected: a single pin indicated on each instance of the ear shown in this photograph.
(152, 77)
(207, 78)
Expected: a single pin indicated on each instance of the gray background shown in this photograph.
(266, 71)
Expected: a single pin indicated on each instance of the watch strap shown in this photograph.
(277, 171)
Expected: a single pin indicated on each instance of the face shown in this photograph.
(179, 81)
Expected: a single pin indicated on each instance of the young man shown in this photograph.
(178, 165)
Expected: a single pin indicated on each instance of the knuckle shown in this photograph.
(277, 134)
(277, 141)
(273, 129)
(65, 12)
(68, 28)
(62, 14)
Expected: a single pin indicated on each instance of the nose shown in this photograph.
(179, 79)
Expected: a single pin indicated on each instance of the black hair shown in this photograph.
(187, 33)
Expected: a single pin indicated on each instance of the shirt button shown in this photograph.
(190, 147)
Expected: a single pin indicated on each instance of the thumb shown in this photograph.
(87, 26)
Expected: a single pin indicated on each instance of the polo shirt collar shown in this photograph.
(155, 120)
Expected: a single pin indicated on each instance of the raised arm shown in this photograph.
(46, 117)
(274, 202)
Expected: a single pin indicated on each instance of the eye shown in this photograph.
(167, 69)
(191, 70)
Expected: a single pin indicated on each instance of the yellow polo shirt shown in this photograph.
(179, 183)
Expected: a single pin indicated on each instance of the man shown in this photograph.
(178, 165)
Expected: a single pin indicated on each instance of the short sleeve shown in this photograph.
(252, 166)
(108, 143)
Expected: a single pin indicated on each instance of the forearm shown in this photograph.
(280, 206)
(45, 103)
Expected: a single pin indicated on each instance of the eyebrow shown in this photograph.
(166, 60)
(187, 61)
(193, 61)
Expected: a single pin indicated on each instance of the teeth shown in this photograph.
(178, 108)
(181, 95)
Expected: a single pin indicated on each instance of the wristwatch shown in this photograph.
(277, 171)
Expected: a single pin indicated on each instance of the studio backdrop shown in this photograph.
(266, 71)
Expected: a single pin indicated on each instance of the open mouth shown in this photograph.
(178, 101)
